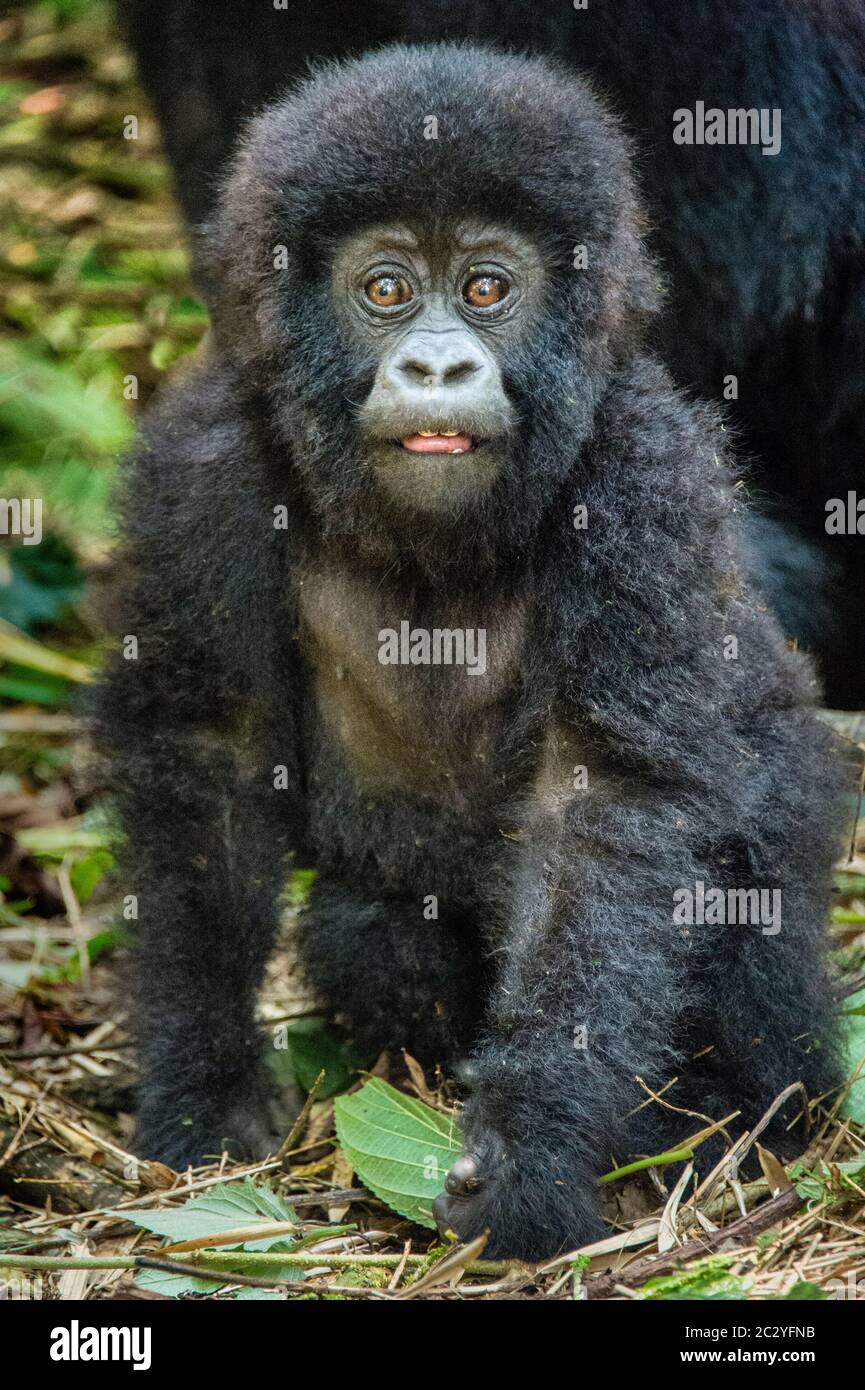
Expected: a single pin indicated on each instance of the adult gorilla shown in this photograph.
(437, 585)
(766, 254)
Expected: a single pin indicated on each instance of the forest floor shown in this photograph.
(95, 293)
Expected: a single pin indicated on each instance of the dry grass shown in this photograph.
(68, 1177)
(66, 1171)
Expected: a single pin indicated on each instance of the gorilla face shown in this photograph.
(428, 323)
(439, 312)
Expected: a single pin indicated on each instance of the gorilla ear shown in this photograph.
(632, 286)
(236, 251)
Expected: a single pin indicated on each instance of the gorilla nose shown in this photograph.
(436, 363)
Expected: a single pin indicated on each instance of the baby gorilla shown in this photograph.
(437, 587)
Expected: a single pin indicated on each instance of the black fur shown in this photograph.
(207, 67)
(555, 904)
(766, 255)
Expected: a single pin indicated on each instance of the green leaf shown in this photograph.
(173, 1285)
(849, 883)
(10, 913)
(97, 945)
(804, 1292)
(224, 1208)
(305, 1047)
(299, 885)
(708, 1280)
(824, 1182)
(86, 873)
(812, 1190)
(39, 583)
(40, 690)
(42, 401)
(163, 353)
(400, 1148)
(578, 1269)
(853, 1035)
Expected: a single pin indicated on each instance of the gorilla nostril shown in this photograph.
(463, 1177)
(457, 373)
(421, 372)
(431, 373)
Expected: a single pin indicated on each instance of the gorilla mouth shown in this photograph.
(428, 442)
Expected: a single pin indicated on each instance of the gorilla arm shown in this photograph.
(194, 759)
(698, 769)
(587, 984)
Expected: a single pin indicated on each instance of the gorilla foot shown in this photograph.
(249, 1130)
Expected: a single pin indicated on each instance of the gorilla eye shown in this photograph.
(482, 291)
(386, 291)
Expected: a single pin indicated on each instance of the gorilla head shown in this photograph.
(432, 259)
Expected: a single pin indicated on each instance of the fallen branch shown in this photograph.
(230, 1262)
(739, 1232)
(38, 1171)
(190, 1271)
